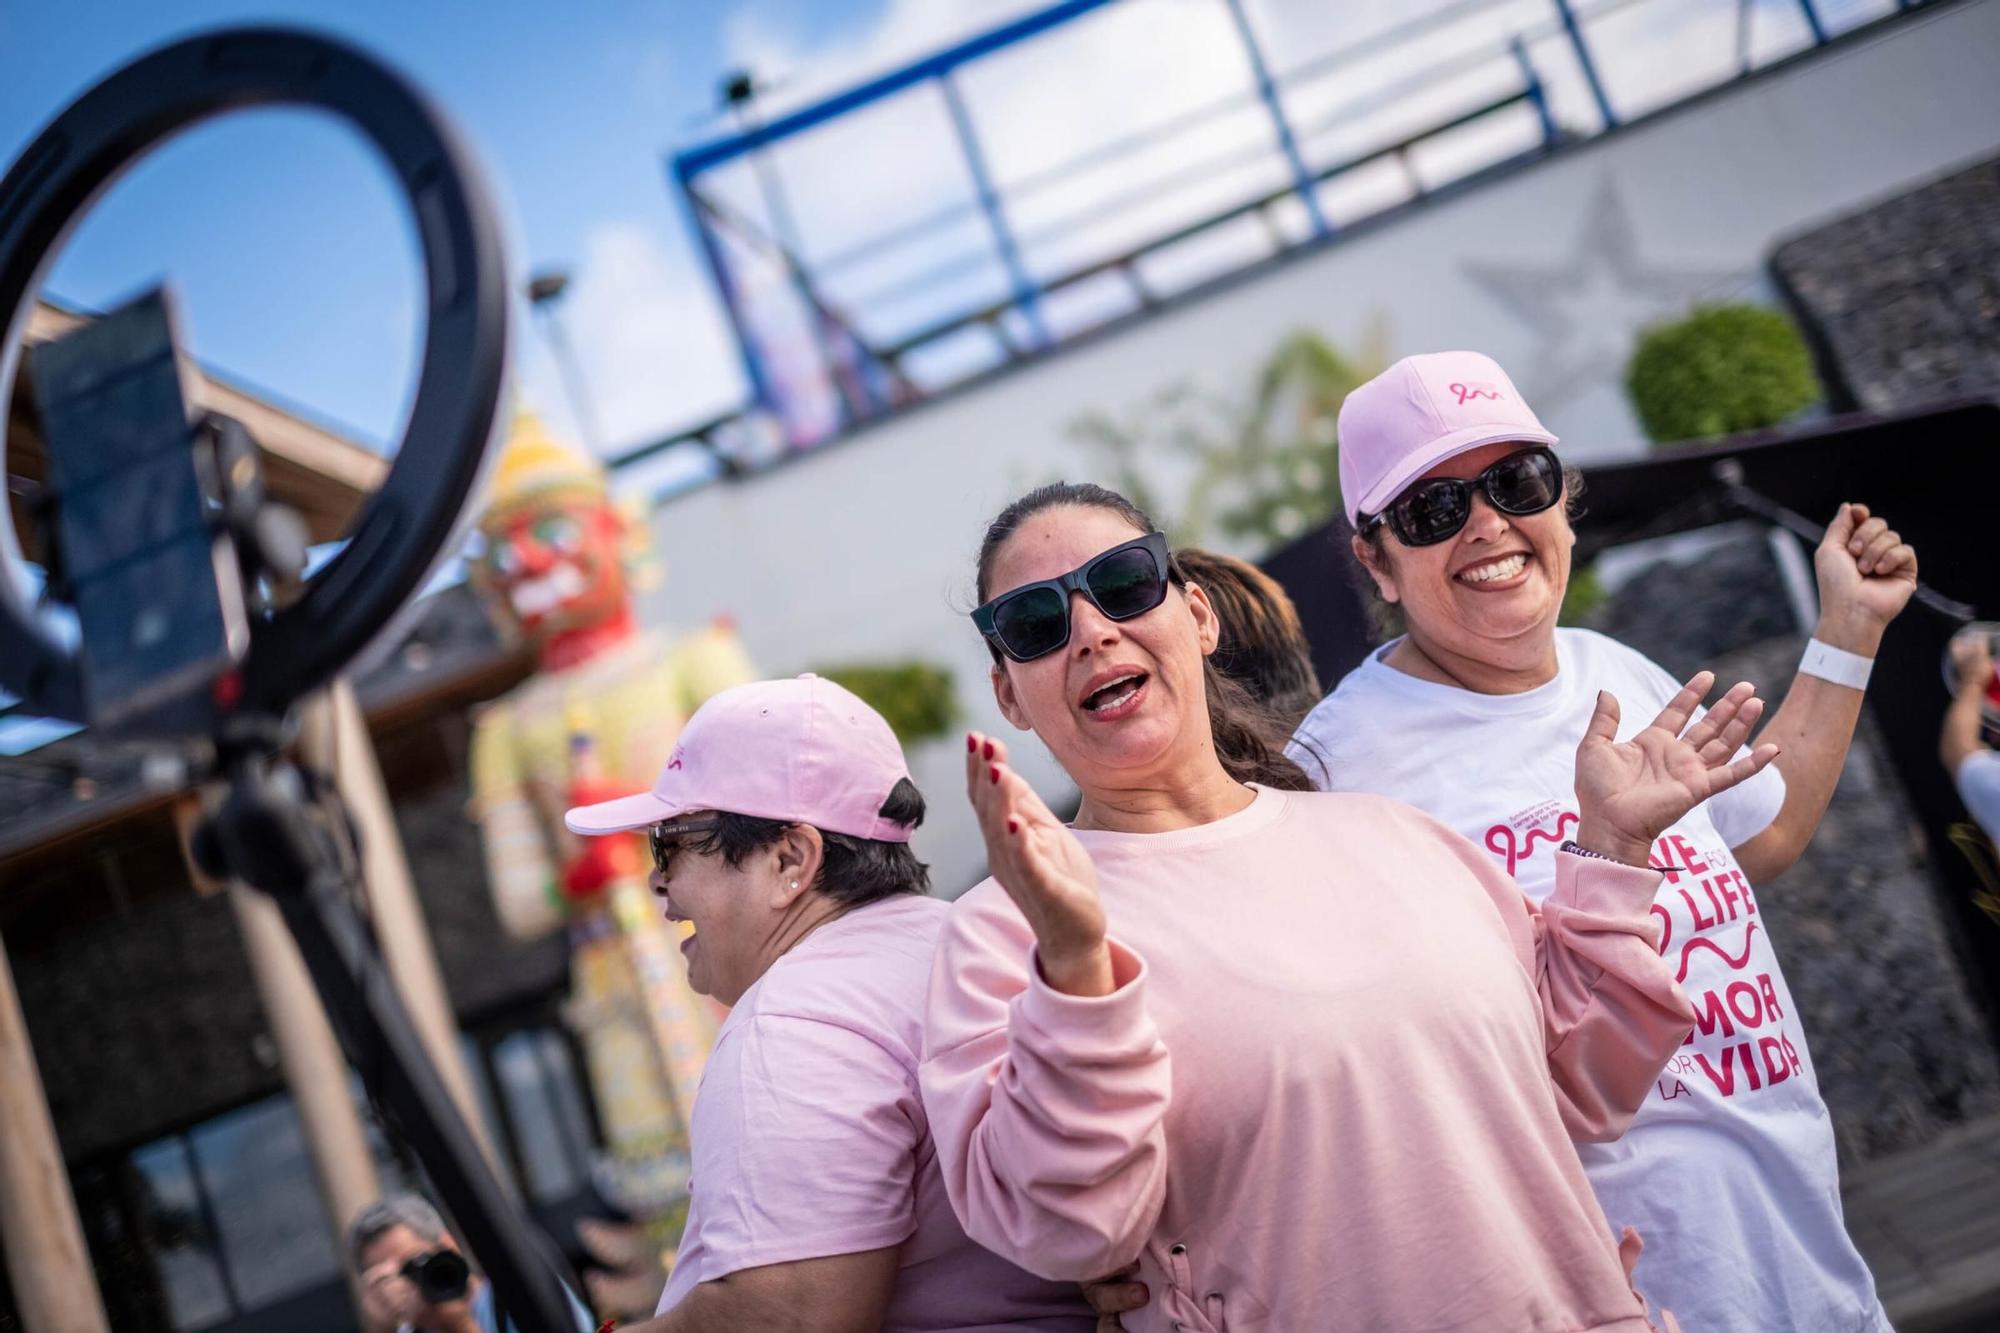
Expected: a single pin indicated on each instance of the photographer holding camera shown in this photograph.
(414, 1278)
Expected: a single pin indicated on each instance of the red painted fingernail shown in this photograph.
(989, 749)
(1013, 826)
(995, 772)
(971, 742)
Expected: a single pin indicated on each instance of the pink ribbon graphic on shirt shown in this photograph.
(1717, 950)
(1518, 852)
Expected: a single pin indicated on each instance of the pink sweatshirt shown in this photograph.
(1335, 1088)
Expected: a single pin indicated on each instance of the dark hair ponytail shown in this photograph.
(1248, 736)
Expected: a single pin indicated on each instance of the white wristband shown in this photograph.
(1836, 664)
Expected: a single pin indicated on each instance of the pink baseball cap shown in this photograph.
(1419, 412)
(805, 751)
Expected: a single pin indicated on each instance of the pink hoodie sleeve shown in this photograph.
(1612, 1015)
(1047, 1109)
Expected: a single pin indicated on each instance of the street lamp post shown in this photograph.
(544, 290)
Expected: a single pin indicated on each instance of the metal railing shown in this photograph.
(867, 362)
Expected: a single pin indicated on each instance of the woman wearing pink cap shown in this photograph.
(780, 830)
(1310, 1060)
(1727, 1171)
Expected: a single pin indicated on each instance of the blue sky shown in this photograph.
(285, 236)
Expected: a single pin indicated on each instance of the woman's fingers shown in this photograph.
(1902, 560)
(1866, 529)
(1846, 523)
(1603, 720)
(1878, 548)
(983, 787)
(1019, 800)
(1727, 741)
(975, 766)
(1717, 719)
(1721, 779)
(1674, 717)
(1008, 809)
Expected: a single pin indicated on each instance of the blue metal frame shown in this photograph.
(1567, 12)
(1026, 297)
(725, 287)
(1287, 144)
(1812, 21)
(1025, 301)
(785, 231)
(692, 162)
(1537, 96)
(703, 157)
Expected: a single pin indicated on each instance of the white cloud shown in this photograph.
(655, 352)
(906, 30)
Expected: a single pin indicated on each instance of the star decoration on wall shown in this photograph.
(1587, 310)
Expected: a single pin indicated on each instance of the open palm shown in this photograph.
(1630, 792)
(1036, 858)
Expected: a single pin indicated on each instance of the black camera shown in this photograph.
(439, 1276)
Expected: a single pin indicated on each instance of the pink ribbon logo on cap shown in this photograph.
(1474, 390)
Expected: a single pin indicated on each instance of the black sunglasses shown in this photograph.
(661, 836)
(1033, 620)
(1433, 511)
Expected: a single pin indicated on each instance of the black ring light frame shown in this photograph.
(405, 526)
(276, 828)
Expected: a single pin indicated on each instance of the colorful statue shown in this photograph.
(600, 716)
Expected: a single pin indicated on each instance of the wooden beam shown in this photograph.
(48, 1262)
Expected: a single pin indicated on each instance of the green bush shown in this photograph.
(916, 698)
(1583, 596)
(1723, 369)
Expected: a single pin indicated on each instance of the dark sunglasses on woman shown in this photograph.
(1433, 511)
(664, 838)
(1033, 620)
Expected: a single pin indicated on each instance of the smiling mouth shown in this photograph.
(1114, 693)
(538, 597)
(1494, 571)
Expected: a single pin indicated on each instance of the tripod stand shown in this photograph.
(282, 830)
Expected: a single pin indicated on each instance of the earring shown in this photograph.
(795, 884)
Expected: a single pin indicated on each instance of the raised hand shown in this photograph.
(1866, 574)
(1043, 868)
(1628, 793)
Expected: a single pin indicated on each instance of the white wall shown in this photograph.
(863, 551)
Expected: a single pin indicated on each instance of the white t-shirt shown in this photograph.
(1728, 1169)
(1979, 787)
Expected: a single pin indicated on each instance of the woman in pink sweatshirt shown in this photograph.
(1308, 1059)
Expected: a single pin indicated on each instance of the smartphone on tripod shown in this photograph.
(140, 548)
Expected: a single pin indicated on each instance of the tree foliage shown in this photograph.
(1256, 469)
